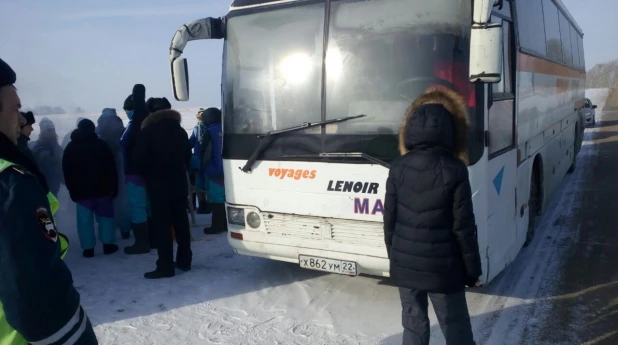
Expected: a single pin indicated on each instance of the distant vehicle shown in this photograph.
(589, 113)
(314, 94)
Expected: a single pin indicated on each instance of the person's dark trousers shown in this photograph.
(451, 311)
(168, 214)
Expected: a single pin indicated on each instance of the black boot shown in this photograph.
(125, 235)
(88, 253)
(152, 238)
(157, 274)
(141, 246)
(109, 249)
(219, 221)
(204, 207)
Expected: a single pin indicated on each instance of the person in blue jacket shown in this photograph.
(38, 302)
(197, 163)
(92, 180)
(213, 161)
(136, 186)
(110, 129)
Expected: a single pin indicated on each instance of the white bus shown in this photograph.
(314, 93)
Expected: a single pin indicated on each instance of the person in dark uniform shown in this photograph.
(24, 136)
(162, 155)
(38, 302)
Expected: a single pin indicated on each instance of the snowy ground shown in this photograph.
(232, 299)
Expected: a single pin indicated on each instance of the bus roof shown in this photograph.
(239, 4)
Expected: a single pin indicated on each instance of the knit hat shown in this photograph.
(7, 75)
(128, 103)
(46, 125)
(29, 116)
(211, 116)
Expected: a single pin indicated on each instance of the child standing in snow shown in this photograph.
(91, 178)
(429, 225)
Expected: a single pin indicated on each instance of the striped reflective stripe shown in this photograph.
(79, 318)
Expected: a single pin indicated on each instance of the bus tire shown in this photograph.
(534, 203)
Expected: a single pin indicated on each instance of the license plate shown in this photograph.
(328, 265)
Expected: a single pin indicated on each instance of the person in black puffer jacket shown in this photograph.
(91, 177)
(162, 155)
(429, 226)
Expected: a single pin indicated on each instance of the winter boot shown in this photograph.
(152, 238)
(157, 274)
(141, 246)
(88, 253)
(204, 207)
(125, 235)
(219, 221)
(109, 249)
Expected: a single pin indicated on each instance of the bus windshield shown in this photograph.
(380, 56)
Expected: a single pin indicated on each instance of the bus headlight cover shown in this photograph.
(236, 216)
(254, 220)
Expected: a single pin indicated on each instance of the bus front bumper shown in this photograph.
(256, 244)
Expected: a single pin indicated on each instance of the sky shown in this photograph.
(90, 53)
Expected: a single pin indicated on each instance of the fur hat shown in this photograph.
(7, 75)
(29, 116)
(156, 104)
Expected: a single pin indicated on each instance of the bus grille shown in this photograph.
(316, 228)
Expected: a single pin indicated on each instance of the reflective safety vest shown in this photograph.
(9, 336)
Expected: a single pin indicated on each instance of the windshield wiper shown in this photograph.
(342, 155)
(266, 137)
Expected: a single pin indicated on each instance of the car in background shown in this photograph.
(589, 113)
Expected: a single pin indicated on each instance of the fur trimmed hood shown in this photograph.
(161, 115)
(438, 118)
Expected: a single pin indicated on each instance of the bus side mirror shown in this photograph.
(180, 79)
(482, 10)
(486, 53)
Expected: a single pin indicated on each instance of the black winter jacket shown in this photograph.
(89, 167)
(429, 226)
(162, 155)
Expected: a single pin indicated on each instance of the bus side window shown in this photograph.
(501, 114)
(506, 85)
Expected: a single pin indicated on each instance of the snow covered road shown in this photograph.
(232, 299)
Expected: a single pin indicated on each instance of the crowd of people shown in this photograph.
(136, 177)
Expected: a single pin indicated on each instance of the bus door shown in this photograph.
(502, 163)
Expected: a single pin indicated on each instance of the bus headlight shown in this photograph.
(254, 220)
(236, 216)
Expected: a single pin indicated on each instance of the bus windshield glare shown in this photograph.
(380, 56)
